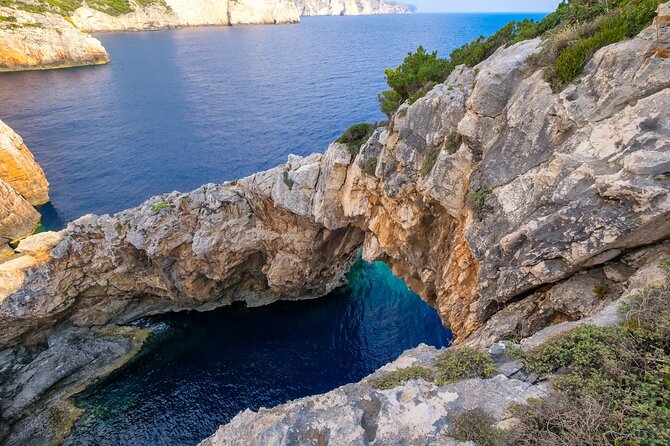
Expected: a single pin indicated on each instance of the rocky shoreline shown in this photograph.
(549, 209)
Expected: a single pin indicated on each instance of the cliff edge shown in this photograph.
(514, 210)
(22, 186)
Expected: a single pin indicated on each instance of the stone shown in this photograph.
(18, 218)
(39, 41)
(38, 381)
(19, 169)
(415, 413)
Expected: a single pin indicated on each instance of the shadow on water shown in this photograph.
(198, 370)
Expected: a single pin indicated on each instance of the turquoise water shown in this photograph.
(201, 369)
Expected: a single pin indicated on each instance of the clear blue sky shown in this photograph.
(484, 5)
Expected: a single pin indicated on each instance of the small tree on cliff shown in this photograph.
(417, 70)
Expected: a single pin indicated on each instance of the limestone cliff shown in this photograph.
(53, 34)
(19, 169)
(535, 200)
(350, 7)
(542, 186)
(178, 13)
(22, 186)
(30, 41)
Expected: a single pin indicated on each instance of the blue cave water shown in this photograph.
(198, 370)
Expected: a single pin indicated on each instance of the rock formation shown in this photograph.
(178, 13)
(535, 201)
(350, 7)
(22, 186)
(17, 217)
(542, 187)
(30, 41)
(19, 169)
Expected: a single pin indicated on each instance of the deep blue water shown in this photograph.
(206, 367)
(177, 109)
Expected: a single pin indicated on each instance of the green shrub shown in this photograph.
(389, 102)
(370, 165)
(453, 142)
(569, 64)
(417, 70)
(600, 290)
(356, 135)
(429, 160)
(477, 198)
(401, 376)
(451, 145)
(626, 18)
(456, 364)
(160, 206)
(616, 378)
(477, 426)
(287, 180)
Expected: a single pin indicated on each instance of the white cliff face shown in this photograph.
(51, 40)
(178, 13)
(350, 7)
(30, 41)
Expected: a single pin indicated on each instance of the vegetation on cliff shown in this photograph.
(67, 7)
(452, 366)
(571, 34)
(356, 135)
(613, 383)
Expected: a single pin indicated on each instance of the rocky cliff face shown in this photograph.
(541, 187)
(177, 13)
(57, 38)
(30, 41)
(350, 7)
(534, 201)
(22, 186)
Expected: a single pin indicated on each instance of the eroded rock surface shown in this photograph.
(415, 413)
(22, 186)
(19, 169)
(539, 188)
(178, 13)
(18, 218)
(30, 41)
(36, 381)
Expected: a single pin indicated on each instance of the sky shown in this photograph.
(484, 5)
